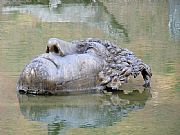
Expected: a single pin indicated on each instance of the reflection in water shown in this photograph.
(89, 110)
(54, 3)
(91, 13)
(174, 18)
(19, 2)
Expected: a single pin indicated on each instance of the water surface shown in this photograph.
(151, 29)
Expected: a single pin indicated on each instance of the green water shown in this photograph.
(151, 29)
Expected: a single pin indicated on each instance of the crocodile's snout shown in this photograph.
(37, 77)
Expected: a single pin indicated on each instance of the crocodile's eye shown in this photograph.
(54, 49)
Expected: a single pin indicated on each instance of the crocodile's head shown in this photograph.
(50, 73)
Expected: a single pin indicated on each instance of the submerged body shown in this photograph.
(80, 66)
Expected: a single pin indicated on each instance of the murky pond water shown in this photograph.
(151, 29)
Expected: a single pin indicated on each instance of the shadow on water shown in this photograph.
(88, 110)
(90, 12)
